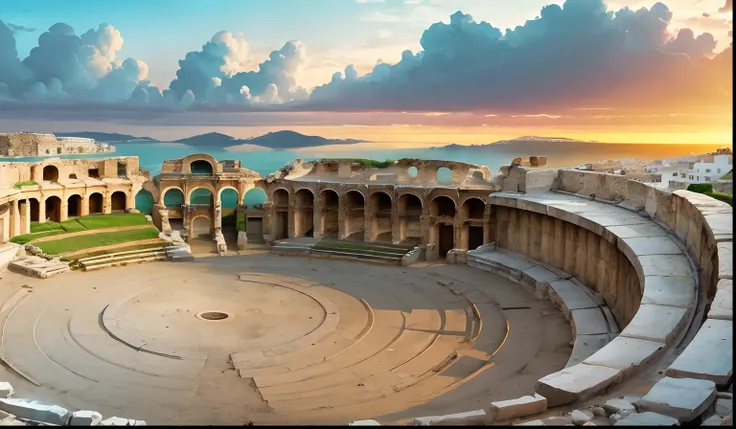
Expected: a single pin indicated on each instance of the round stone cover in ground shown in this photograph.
(213, 315)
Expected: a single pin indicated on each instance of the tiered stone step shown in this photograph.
(374, 252)
(122, 258)
(178, 253)
(35, 266)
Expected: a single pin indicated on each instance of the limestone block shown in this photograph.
(665, 265)
(626, 354)
(85, 418)
(364, 423)
(120, 421)
(671, 291)
(637, 230)
(531, 423)
(585, 346)
(618, 406)
(647, 419)
(568, 296)
(728, 420)
(720, 225)
(724, 406)
(6, 389)
(515, 408)
(725, 260)
(467, 418)
(575, 383)
(709, 356)
(579, 418)
(242, 240)
(539, 274)
(713, 420)
(35, 410)
(657, 323)
(641, 246)
(589, 321)
(722, 306)
(682, 398)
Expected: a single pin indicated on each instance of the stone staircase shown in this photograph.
(341, 249)
(94, 263)
(178, 252)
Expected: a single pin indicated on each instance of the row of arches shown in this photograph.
(229, 197)
(53, 207)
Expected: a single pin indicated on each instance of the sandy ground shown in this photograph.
(325, 341)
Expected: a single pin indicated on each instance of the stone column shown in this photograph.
(341, 217)
(41, 210)
(14, 219)
(487, 224)
(25, 217)
(395, 224)
(64, 215)
(107, 205)
(165, 225)
(291, 216)
(368, 220)
(266, 223)
(85, 206)
(317, 215)
(217, 218)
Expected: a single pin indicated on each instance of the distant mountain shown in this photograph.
(527, 142)
(276, 140)
(106, 137)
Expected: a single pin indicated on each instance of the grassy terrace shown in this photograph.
(73, 244)
(39, 230)
(19, 185)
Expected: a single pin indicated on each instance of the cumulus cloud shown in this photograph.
(575, 55)
(17, 28)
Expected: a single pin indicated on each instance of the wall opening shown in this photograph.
(201, 167)
(74, 206)
(444, 175)
(443, 207)
(118, 201)
(381, 223)
(412, 171)
(202, 228)
(173, 198)
(446, 239)
(228, 205)
(281, 214)
(58, 151)
(73, 176)
(304, 214)
(475, 237)
(144, 202)
(201, 197)
(354, 216)
(410, 226)
(53, 209)
(34, 207)
(122, 170)
(50, 173)
(95, 203)
(93, 173)
(330, 209)
(474, 208)
(254, 198)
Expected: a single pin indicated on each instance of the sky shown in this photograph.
(408, 72)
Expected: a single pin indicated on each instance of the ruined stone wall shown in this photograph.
(29, 144)
(585, 255)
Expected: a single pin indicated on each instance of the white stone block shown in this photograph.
(579, 418)
(722, 306)
(575, 383)
(85, 418)
(531, 423)
(568, 296)
(672, 291)
(626, 354)
(657, 323)
(647, 419)
(618, 406)
(712, 421)
(6, 389)
(34, 410)
(466, 418)
(515, 408)
(724, 406)
(364, 423)
(682, 398)
(709, 355)
(120, 421)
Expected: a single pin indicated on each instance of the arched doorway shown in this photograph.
(95, 203)
(201, 167)
(229, 199)
(330, 212)
(144, 202)
(252, 221)
(382, 226)
(201, 197)
(280, 225)
(304, 214)
(472, 211)
(410, 215)
(118, 201)
(50, 173)
(34, 207)
(202, 228)
(53, 209)
(74, 206)
(354, 216)
(173, 200)
(442, 210)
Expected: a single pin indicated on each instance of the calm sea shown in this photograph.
(152, 155)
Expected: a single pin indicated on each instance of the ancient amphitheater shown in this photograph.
(389, 296)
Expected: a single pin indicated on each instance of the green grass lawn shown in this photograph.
(121, 248)
(73, 244)
(19, 185)
(85, 223)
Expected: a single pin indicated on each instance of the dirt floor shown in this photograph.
(304, 341)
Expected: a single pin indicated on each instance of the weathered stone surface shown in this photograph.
(728, 420)
(579, 418)
(724, 406)
(531, 423)
(722, 306)
(589, 321)
(682, 398)
(626, 354)
(120, 421)
(709, 356)
(725, 260)
(568, 296)
(641, 246)
(575, 383)
(585, 346)
(467, 418)
(6, 389)
(657, 323)
(647, 419)
(85, 418)
(364, 423)
(665, 265)
(619, 406)
(599, 412)
(672, 291)
(34, 410)
(713, 420)
(515, 408)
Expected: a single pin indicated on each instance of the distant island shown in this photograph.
(107, 137)
(276, 140)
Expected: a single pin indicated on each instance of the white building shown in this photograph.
(708, 170)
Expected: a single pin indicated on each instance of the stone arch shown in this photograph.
(443, 206)
(200, 197)
(330, 207)
(443, 209)
(50, 173)
(118, 202)
(354, 204)
(144, 201)
(202, 167)
(96, 203)
(280, 197)
(410, 208)
(381, 204)
(201, 227)
(74, 205)
(280, 225)
(222, 190)
(175, 197)
(473, 208)
(304, 213)
(33, 206)
(187, 161)
(255, 197)
(52, 205)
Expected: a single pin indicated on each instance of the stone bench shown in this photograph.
(666, 279)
